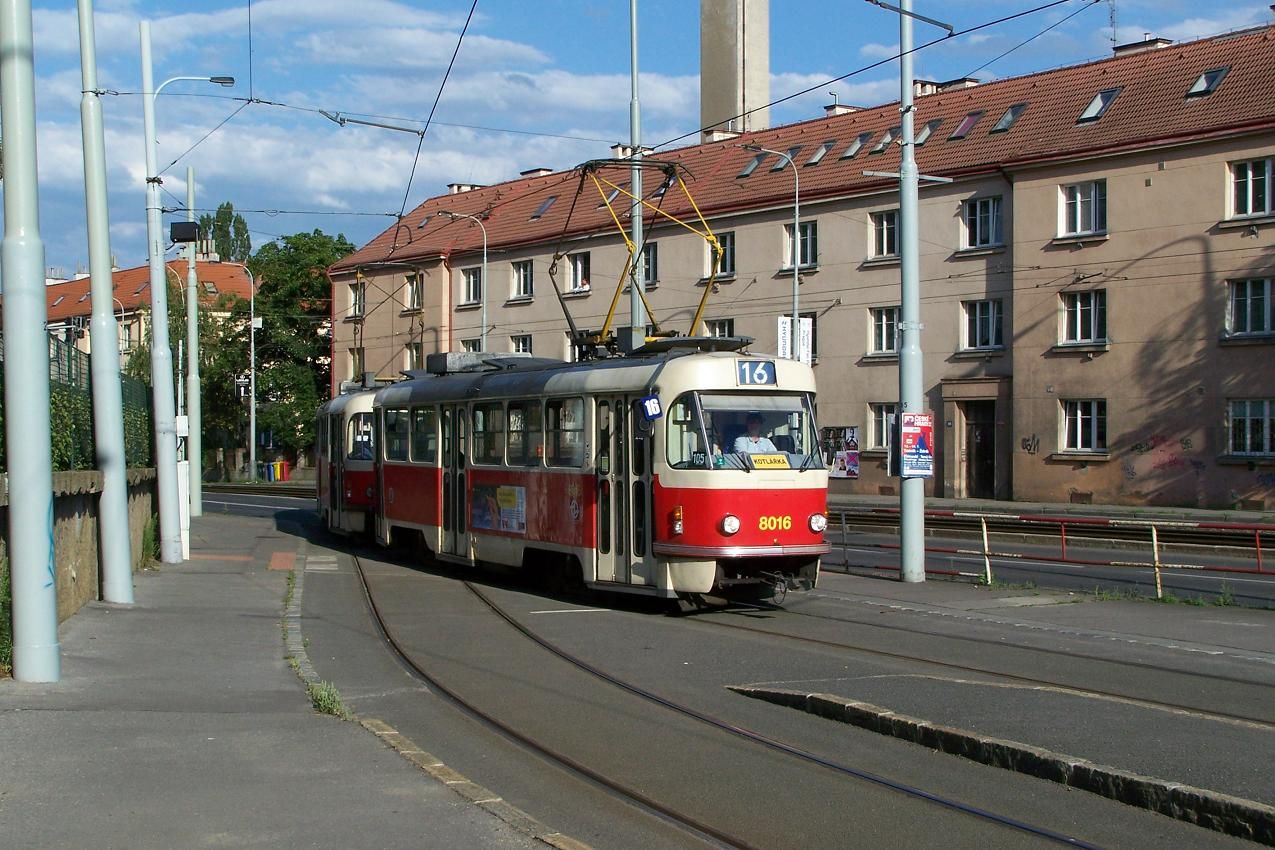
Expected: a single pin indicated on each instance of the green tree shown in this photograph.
(229, 233)
(294, 343)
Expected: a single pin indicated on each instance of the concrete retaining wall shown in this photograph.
(75, 531)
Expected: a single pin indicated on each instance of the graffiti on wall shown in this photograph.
(1031, 444)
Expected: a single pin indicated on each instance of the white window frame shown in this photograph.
(578, 269)
(471, 286)
(984, 324)
(807, 250)
(520, 343)
(885, 330)
(471, 344)
(1251, 184)
(1241, 309)
(1084, 425)
(650, 265)
(885, 234)
(1084, 317)
(523, 280)
(412, 356)
(1242, 414)
(982, 219)
(879, 413)
(357, 360)
(727, 267)
(1084, 209)
(358, 298)
(414, 289)
(719, 327)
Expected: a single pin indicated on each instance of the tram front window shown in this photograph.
(727, 431)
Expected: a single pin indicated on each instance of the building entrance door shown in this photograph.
(980, 449)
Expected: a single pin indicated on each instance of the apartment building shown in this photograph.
(1098, 322)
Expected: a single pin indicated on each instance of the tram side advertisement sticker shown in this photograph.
(916, 441)
(499, 508)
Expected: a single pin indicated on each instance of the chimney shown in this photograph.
(1147, 43)
(535, 172)
(734, 74)
(835, 108)
(457, 188)
(960, 83)
(920, 88)
(620, 150)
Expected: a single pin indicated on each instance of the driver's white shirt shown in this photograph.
(748, 446)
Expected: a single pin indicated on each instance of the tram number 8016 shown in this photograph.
(774, 523)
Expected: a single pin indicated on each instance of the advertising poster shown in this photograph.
(841, 451)
(499, 508)
(805, 339)
(916, 438)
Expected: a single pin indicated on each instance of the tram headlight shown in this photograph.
(730, 524)
(818, 523)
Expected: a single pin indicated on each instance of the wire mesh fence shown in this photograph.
(71, 412)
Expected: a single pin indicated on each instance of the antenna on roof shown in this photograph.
(1111, 16)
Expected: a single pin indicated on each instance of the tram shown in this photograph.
(345, 462)
(684, 468)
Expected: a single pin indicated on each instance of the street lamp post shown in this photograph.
(482, 335)
(794, 334)
(252, 367)
(161, 354)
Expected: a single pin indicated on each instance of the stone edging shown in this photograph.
(1210, 809)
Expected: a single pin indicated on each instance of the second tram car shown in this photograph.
(345, 459)
(675, 471)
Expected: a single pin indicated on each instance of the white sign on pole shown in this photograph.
(805, 342)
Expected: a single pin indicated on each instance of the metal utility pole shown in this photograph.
(482, 334)
(26, 364)
(108, 407)
(794, 334)
(194, 447)
(637, 310)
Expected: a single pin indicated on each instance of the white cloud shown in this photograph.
(414, 48)
(879, 51)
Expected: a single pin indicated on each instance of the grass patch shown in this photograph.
(997, 584)
(1225, 598)
(6, 620)
(327, 699)
(292, 588)
(150, 543)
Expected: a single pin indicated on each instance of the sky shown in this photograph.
(535, 83)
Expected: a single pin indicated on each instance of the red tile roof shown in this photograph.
(132, 288)
(1151, 109)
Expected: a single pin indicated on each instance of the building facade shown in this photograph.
(1098, 320)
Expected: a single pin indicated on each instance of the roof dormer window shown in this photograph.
(752, 165)
(967, 123)
(544, 207)
(1208, 82)
(821, 152)
(1007, 120)
(927, 131)
(890, 135)
(856, 145)
(783, 161)
(1098, 106)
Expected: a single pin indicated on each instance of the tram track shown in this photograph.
(694, 826)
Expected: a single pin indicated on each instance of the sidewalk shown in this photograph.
(178, 723)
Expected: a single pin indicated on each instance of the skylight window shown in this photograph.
(890, 136)
(783, 162)
(1007, 120)
(1098, 105)
(84, 297)
(1208, 82)
(544, 207)
(856, 145)
(967, 123)
(752, 165)
(424, 222)
(139, 289)
(821, 152)
(209, 287)
(663, 187)
(610, 198)
(927, 131)
(59, 300)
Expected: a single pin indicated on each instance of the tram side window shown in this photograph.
(488, 430)
(526, 439)
(564, 432)
(396, 434)
(685, 439)
(360, 437)
(424, 435)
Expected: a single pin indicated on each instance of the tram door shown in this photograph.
(336, 464)
(623, 481)
(455, 525)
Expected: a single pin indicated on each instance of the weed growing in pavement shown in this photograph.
(150, 543)
(1225, 598)
(326, 699)
(997, 584)
(293, 663)
(292, 586)
(6, 620)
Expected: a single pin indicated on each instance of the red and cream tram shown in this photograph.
(674, 471)
(345, 461)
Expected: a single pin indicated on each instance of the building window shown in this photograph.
(1007, 120)
(726, 264)
(544, 207)
(808, 249)
(752, 164)
(885, 233)
(412, 355)
(578, 269)
(1208, 82)
(928, 130)
(650, 265)
(857, 145)
(1085, 316)
(1251, 310)
(719, 327)
(472, 344)
(520, 344)
(967, 123)
(523, 283)
(882, 415)
(1252, 426)
(983, 222)
(1098, 106)
(885, 330)
(984, 327)
(821, 152)
(358, 298)
(473, 286)
(1085, 423)
(1251, 183)
(1085, 208)
(890, 135)
(356, 363)
(412, 295)
(783, 160)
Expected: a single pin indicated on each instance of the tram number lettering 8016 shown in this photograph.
(774, 523)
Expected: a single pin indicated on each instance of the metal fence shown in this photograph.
(71, 412)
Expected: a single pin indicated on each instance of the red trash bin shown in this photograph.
(283, 468)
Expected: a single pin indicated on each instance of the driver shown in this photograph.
(752, 441)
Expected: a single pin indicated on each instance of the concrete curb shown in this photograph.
(1210, 809)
